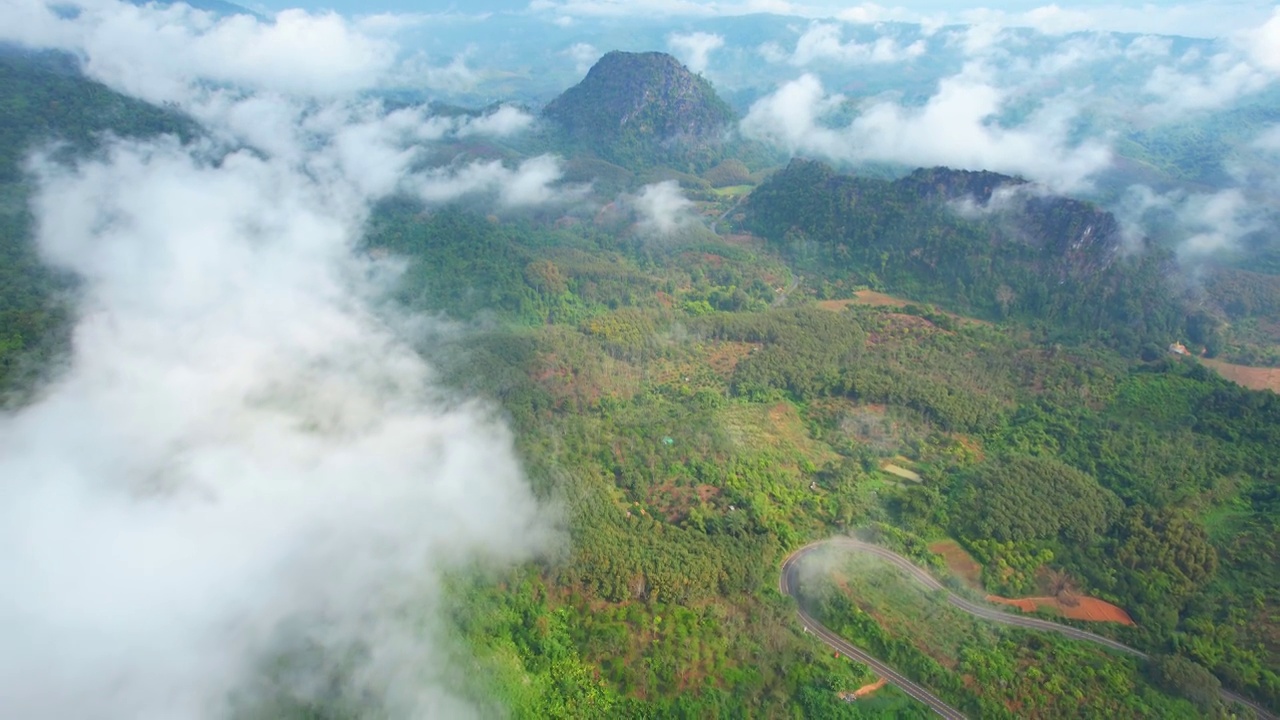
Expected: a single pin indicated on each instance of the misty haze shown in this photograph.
(594, 359)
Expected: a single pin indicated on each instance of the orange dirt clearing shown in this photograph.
(1080, 608)
(1254, 378)
(866, 690)
(959, 562)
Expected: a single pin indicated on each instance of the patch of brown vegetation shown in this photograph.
(871, 298)
(972, 446)
(777, 427)
(584, 382)
(743, 240)
(1076, 607)
(878, 299)
(959, 562)
(703, 258)
(864, 297)
(1254, 378)
(674, 501)
(724, 356)
(898, 326)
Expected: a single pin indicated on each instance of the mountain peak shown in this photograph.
(641, 109)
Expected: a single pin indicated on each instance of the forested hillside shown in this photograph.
(697, 447)
(644, 109)
(1053, 262)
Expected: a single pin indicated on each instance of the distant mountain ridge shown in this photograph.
(1056, 261)
(1085, 238)
(643, 109)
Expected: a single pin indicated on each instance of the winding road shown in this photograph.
(789, 585)
(725, 214)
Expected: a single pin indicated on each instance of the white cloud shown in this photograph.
(954, 128)
(694, 49)
(622, 8)
(239, 444)
(244, 455)
(1219, 83)
(503, 122)
(1205, 224)
(532, 182)
(1149, 46)
(1047, 19)
(871, 14)
(387, 23)
(1269, 139)
(979, 39)
(663, 209)
(1217, 222)
(1192, 18)
(1263, 44)
(584, 55)
(456, 76)
(824, 42)
(156, 53)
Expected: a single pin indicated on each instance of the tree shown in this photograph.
(1180, 676)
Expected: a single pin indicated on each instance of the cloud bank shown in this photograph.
(955, 128)
(823, 42)
(245, 465)
(694, 49)
(663, 209)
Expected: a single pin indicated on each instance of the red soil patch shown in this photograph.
(706, 492)
(1254, 378)
(1078, 608)
(959, 562)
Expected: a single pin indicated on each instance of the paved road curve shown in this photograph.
(789, 586)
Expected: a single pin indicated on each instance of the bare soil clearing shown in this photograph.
(901, 472)
(1078, 608)
(878, 299)
(1254, 378)
(866, 690)
(864, 297)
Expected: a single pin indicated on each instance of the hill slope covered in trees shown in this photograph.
(982, 243)
(641, 109)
